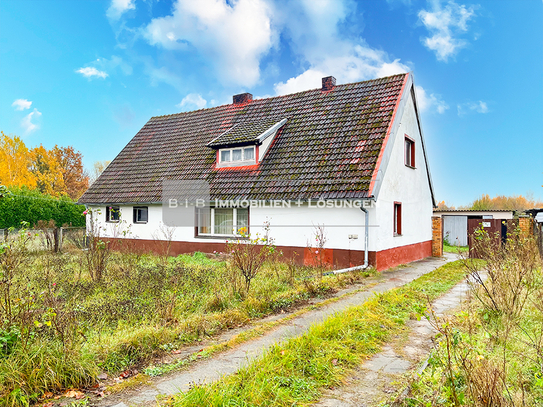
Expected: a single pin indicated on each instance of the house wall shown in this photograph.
(293, 226)
(408, 186)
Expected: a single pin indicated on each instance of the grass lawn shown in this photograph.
(59, 328)
(454, 249)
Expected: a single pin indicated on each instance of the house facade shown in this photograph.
(346, 163)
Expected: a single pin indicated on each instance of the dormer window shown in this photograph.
(237, 156)
(245, 143)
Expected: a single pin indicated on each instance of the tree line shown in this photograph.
(55, 172)
(485, 202)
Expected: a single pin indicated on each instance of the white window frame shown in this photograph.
(212, 226)
(242, 161)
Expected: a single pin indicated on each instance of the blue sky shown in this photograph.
(91, 73)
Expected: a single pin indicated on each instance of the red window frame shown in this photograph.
(397, 216)
(409, 156)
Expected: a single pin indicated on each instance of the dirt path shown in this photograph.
(375, 381)
(228, 362)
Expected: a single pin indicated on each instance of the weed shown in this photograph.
(491, 353)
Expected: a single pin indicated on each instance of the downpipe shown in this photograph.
(366, 239)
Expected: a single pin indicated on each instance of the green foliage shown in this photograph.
(23, 204)
(447, 248)
(44, 366)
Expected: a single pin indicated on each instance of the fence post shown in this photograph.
(60, 238)
(525, 225)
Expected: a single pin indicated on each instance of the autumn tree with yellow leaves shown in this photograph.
(57, 172)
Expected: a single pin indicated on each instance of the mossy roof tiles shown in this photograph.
(328, 147)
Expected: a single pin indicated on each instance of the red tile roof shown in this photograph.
(328, 147)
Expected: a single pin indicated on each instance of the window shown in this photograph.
(225, 155)
(249, 153)
(409, 152)
(397, 218)
(236, 154)
(113, 214)
(141, 214)
(221, 221)
(233, 155)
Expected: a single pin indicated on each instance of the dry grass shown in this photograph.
(491, 353)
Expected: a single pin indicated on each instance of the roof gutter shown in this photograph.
(366, 240)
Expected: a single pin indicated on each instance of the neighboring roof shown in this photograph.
(328, 147)
(536, 213)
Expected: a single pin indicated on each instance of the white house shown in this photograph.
(346, 159)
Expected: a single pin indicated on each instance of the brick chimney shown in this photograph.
(242, 98)
(328, 83)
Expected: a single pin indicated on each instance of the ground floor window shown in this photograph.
(141, 214)
(113, 213)
(222, 221)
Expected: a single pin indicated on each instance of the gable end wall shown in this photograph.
(410, 187)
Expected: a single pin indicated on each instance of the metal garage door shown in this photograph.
(455, 230)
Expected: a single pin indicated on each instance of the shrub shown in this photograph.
(249, 254)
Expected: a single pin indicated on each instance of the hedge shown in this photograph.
(23, 204)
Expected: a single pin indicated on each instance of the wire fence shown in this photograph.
(55, 239)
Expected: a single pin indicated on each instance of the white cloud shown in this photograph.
(472, 107)
(22, 104)
(27, 124)
(118, 7)
(113, 63)
(445, 24)
(91, 71)
(430, 102)
(193, 99)
(233, 37)
(314, 35)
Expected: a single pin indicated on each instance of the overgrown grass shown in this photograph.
(491, 353)
(447, 248)
(296, 371)
(59, 328)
